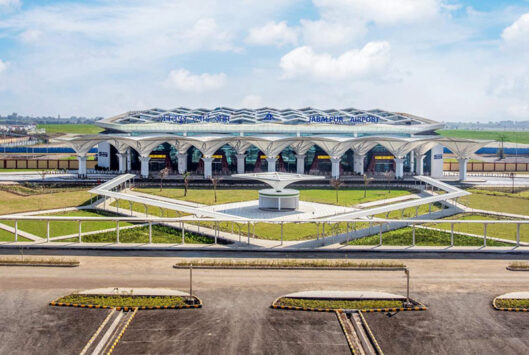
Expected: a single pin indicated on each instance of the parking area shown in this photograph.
(236, 317)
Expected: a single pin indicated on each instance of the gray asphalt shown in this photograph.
(454, 324)
(236, 317)
(234, 321)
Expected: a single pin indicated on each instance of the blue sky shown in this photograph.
(448, 60)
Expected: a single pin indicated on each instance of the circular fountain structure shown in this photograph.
(278, 198)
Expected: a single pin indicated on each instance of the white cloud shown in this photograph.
(327, 34)
(272, 34)
(251, 101)
(30, 36)
(381, 11)
(517, 34)
(303, 61)
(183, 80)
(3, 66)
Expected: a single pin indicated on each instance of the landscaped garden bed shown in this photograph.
(112, 301)
(337, 304)
(286, 264)
(512, 303)
(38, 261)
(518, 266)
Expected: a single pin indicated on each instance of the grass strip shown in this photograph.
(38, 260)
(272, 263)
(519, 265)
(160, 234)
(338, 304)
(123, 301)
(424, 237)
(512, 303)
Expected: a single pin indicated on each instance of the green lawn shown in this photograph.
(504, 231)
(517, 203)
(423, 237)
(6, 236)
(71, 128)
(510, 136)
(160, 234)
(14, 203)
(59, 228)
(346, 197)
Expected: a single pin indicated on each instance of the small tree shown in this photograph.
(186, 181)
(43, 174)
(336, 184)
(367, 180)
(389, 175)
(163, 174)
(214, 181)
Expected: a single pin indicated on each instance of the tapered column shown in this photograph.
(271, 164)
(399, 168)
(208, 166)
(412, 163)
(420, 164)
(358, 163)
(182, 162)
(82, 165)
(300, 163)
(240, 163)
(122, 158)
(129, 160)
(335, 167)
(144, 166)
(462, 169)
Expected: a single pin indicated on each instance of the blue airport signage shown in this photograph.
(343, 120)
(207, 118)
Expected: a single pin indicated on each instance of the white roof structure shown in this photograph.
(278, 181)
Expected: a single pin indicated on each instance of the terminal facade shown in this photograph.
(223, 141)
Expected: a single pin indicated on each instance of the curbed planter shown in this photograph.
(40, 265)
(516, 268)
(264, 267)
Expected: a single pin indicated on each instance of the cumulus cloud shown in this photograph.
(30, 36)
(304, 62)
(183, 80)
(517, 34)
(327, 34)
(251, 101)
(272, 34)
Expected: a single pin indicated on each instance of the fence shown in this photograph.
(44, 164)
(487, 167)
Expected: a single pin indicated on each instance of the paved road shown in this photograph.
(236, 317)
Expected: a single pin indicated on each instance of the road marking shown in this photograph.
(107, 334)
(87, 346)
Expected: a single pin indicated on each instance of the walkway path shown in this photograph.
(26, 235)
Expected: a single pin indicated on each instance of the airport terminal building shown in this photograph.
(223, 141)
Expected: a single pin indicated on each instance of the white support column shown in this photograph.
(300, 163)
(82, 165)
(271, 164)
(240, 163)
(358, 163)
(399, 168)
(420, 164)
(121, 162)
(208, 166)
(412, 163)
(145, 166)
(462, 169)
(335, 167)
(182, 162)
(436, 162)
(129, 160)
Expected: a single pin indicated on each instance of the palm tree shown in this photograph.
(186, 181)
(336, 183)
(214, 181)
(367, 180)
(163, 174)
